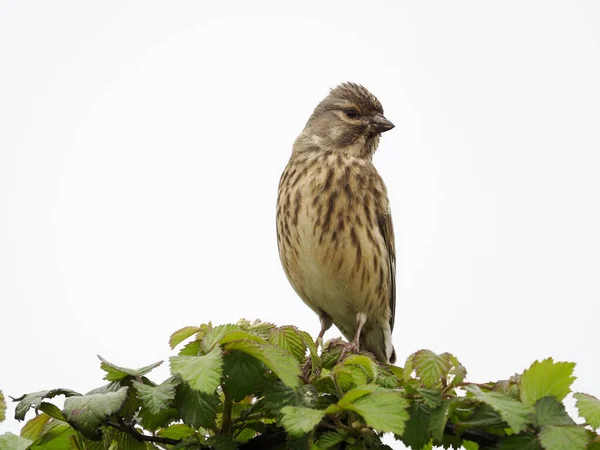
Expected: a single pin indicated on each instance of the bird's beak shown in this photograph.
(381, 124)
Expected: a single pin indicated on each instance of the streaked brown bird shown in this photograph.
(334, 228)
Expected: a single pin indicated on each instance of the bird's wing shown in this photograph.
(387, 231)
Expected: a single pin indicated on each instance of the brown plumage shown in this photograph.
(334, 228)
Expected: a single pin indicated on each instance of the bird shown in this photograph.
(334, 227)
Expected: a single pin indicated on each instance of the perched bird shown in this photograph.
(334, 228)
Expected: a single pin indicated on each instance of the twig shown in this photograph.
(130, 429)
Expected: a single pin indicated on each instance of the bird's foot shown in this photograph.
(351, 347)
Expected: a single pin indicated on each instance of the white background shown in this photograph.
(141, 145)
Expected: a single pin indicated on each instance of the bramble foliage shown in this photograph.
(250, 385)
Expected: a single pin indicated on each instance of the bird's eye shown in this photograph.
(351, 113)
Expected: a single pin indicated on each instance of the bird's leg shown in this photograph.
(354, 346)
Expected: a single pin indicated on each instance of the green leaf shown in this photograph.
(355, 394)
(416, 431)
(350, 376)
(298, 420)
(242, 374)
(549, 411)
(181, 335)
(431, 397)
(202, 373)
(33, 427)
(190, 349)
(88, 412)
(516, 414)
(57, 436)
(521, 442)
(329, 439)
(116, 373)
(561, 438)
(35, 399)
(2, 407)
(589, 408)
(430, 367)
(176, 431)
(278, 360)
(438, 419)
(383, 410)
(195, 408)
(9, 441)
(312, 349)
(153, 422)
(156, 398)
(546, 378)
(289, 338)
(214, 335)
(222, 443)
(470, 445)
(457, 371)
(279, 395)
(52, 410)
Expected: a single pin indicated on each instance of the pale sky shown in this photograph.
(142, 143)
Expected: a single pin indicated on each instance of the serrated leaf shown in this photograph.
(278, 360)
(33, 427)
(589, 408)
(156, 398)
(572, 437)
(10, 441)
(329, 439)
(214, 335)
(52, 410)
(430, 367)
(279, 395)
(87, 412)
(431, 397)
(298, 420)
(242, 373)
(416, 431)
(222, 443)
(181, 335)
(289, 338)
(195, 408)
(312, 349)
(190, 349)
(457, 371)
(152, 422)
(483, 416)
(57, 436)
(546, 378)
(355, 394)
(470, 445)
(202, 373)
(383, 410)
(516, 414)
(125, 441)
(176, 431)
(35, 399)
(549, 411)
(116, 373)
(262, 329)
(349, 377)
(438, 419)
(525, 442)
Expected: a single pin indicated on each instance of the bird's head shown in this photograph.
(349, 120)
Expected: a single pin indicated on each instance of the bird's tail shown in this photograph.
(378, 340)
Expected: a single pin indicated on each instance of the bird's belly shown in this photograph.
(333, 270)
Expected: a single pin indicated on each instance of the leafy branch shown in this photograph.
(253, 385)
